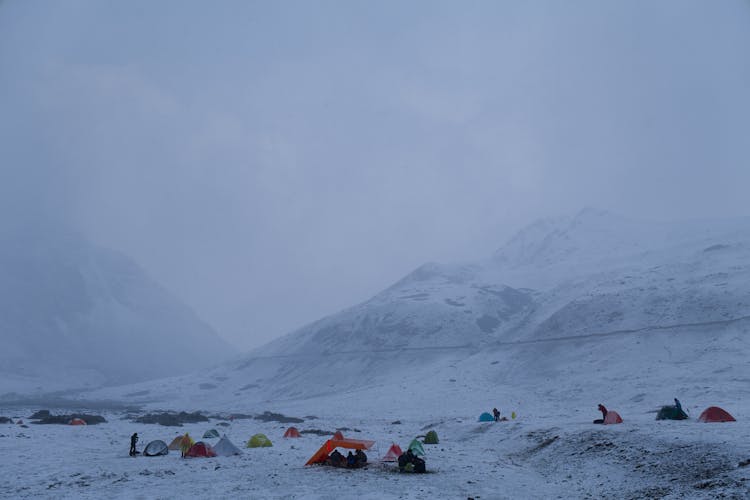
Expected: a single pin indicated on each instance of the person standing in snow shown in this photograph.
(677, 404)
(133, 441)
(185, 443)
(496, 413)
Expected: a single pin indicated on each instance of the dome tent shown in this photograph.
(200, 449)
(259, 441)
(715, 414)
(175, 444)
(612, 418)
(211, 434)
(292, 432)
(431, 438)
(156, 449)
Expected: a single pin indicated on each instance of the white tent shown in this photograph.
(225, 448)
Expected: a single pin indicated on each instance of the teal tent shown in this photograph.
(211, 434)
(486, 417)
(416, 447)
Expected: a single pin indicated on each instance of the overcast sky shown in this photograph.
(272, 162)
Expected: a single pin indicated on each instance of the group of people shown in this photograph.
(409, 462)
(603, 409)
(351, 460)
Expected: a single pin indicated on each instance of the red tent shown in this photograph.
(353, 444)
(200, 449)
(291, 432)
(715, 414)
(77, 421)
(338, 435)
(393, 453)
(613, 418)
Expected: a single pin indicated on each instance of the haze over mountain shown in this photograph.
(76, 315)
(581, 294)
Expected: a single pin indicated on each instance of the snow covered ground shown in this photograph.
(535, 456)
(551, 450)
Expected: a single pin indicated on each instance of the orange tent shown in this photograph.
(291, 432)
(353, 444)
(612, 418)
(393, 453)
(77, 421)
(715, 414)
(338, 435)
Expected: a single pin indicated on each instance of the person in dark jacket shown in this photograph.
(419, 465)
(405, 459)
(337, 459)
(409, 462)
(602, 409)
(677, 404)
(361, 458)
(351, 460)
(133, 441)
(496, 413)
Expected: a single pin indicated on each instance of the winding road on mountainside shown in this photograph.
(569, 338)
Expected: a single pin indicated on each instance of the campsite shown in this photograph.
(522, 458)
(345, 250)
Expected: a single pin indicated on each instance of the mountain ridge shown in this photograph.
(677, 278)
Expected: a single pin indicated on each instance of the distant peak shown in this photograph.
(551, 240)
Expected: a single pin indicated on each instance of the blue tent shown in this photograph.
(486, 417)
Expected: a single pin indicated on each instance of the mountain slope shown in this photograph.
(92, 315)
(600, 289)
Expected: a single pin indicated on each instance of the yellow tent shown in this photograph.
(259, 441)
(175, 444)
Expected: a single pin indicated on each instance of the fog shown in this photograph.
(274, 162)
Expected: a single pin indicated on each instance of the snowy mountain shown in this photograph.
(589, 294)
(68, 307)
(570, 313)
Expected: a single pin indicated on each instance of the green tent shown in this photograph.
(431, 438)
(416, 447)
(671, 413)
(259, 441)
(211, 434)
